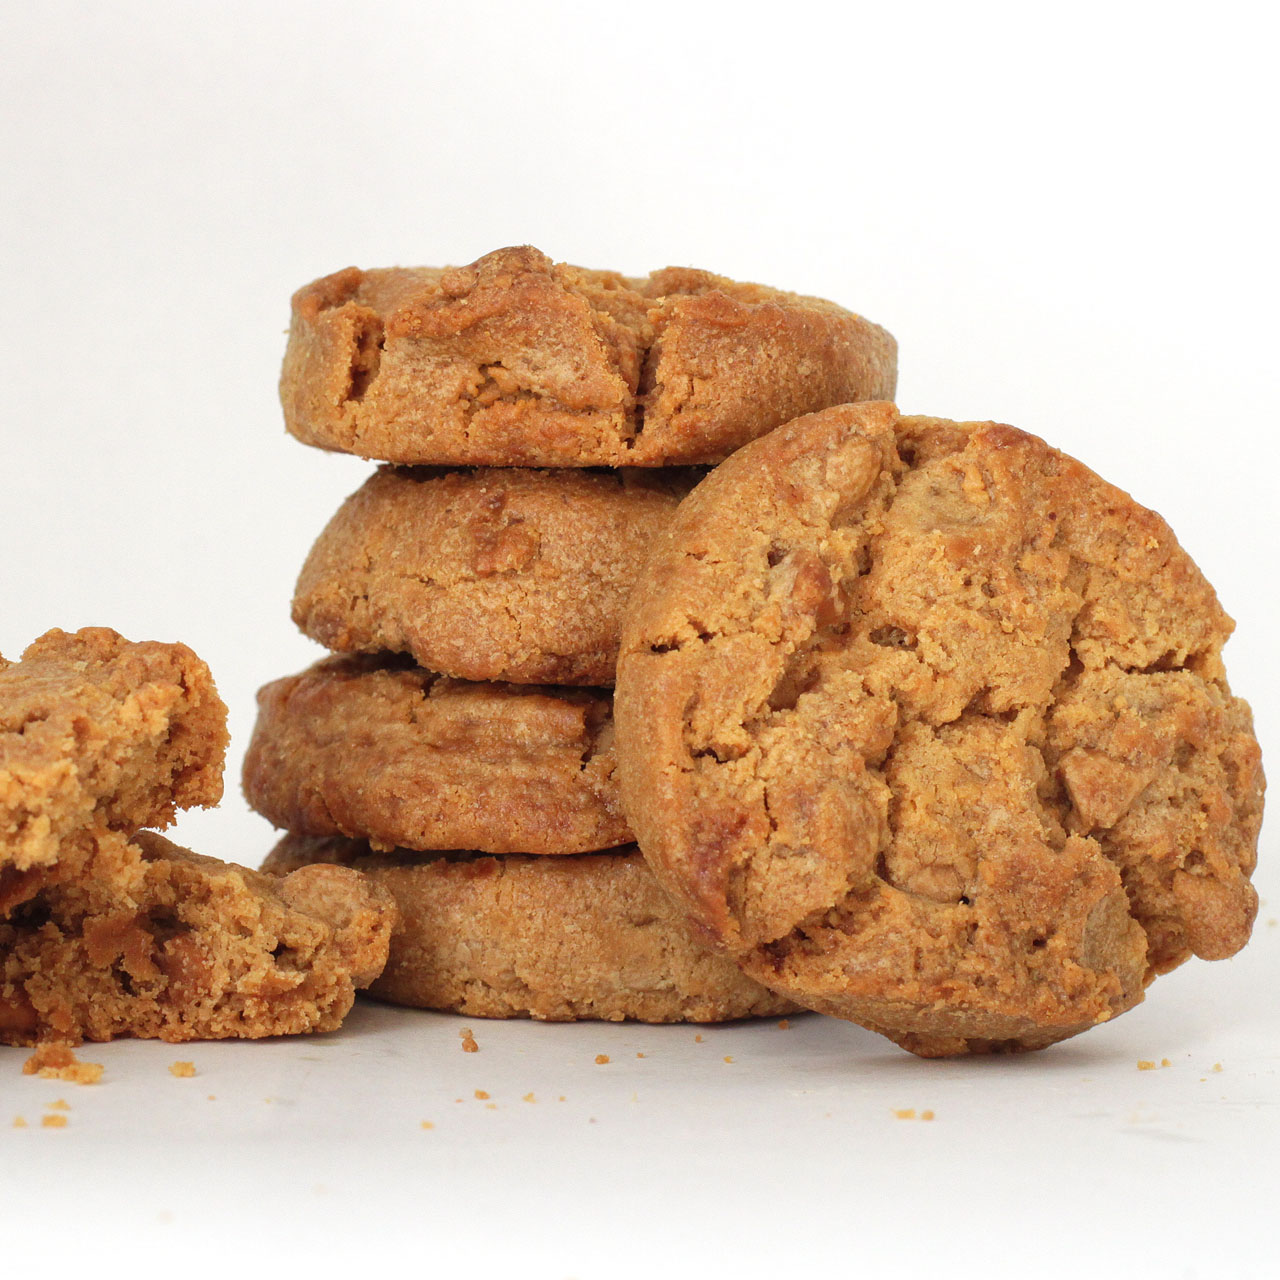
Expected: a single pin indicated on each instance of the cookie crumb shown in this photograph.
(601, 1059)
(53, 1122)
(55, 1061)
(60, 1105)
(905, 1113)
(1145, 1064)
(728, 1058)
(697, 1039)
(183, 1070)
(926, 1115)
(1217, 1066)
(639, 1055)
(19, 1122)
(491, 1106)
(426, 1124)
(528, 1097)
(213, 1097)
(1164, 1062)
(561, 1098)
(468, 1041)
(481, 1094)
(785, 1024)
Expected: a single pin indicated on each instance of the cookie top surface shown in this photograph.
(149, 939)
(489, 574)
(519, 361)
(379, 749)
(590, 936)
(928, 724)
(95, 728)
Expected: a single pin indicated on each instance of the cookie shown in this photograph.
(928, 725)
(487, 575)
(381, 750)
(152, 940)
(518, 361)
(95, 730)
(558, 939)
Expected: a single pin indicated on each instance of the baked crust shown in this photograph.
(494, 574)
(381, 750)
(557, 939)
(928, 725)
(96, 730)
(151, 940)
(519, 361)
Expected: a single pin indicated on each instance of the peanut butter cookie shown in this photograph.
(381, 750)
(490, 574)
(148, 939)
(556, 939)
(928, 726)
(95, 730)
(518, 361)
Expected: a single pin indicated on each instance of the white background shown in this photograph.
(1066, 215)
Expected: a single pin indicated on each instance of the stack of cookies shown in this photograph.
(541, 423)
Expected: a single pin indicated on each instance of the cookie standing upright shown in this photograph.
(519, 361)
(928, 725)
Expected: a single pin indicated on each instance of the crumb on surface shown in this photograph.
(19, 1122)
(601, 1059)
(639, 1055)
(926, 1114)
(905, 1113)
(528, 1097)
(61, 1104)
(426, 1124)
(561, 1098)
(53, 1122)
(728, 1057)
(468, 1041)
(697, 1039)
(785, 1024)
(182, 1070)
(1145, 1064)
(491, 1106)
(1164, 1062)
(1217, 1066)
(55, 1061)
(482, 1094)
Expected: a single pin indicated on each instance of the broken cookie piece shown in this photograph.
(96, 731)
(151, 940)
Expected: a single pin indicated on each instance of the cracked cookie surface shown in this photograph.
(379, 749)
(151, 940)
(928, 725)
(493, 574)
(98, 730)
(519, 361)
(557, 939)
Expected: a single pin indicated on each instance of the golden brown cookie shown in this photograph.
(487, 575)
(928, 725)
(148, 939)
(518, 361)
(556, 939)
(381, 750)
(97, 730)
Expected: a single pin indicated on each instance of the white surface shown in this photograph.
(1065, 216)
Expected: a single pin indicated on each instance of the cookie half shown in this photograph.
(928, 724)
(381, 750)
(558, 939)
(519, 361)
(495, 574)
(96, 730)
(152, 940)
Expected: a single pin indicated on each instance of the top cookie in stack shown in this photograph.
(488, 552)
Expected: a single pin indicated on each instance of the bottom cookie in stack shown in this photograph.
(584, 936)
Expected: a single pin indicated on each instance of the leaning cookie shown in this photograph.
(557, 939)
(381, 750)
(928, 725)
(492, 574)
(150, 940)
(518, 361)
(96, 730)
